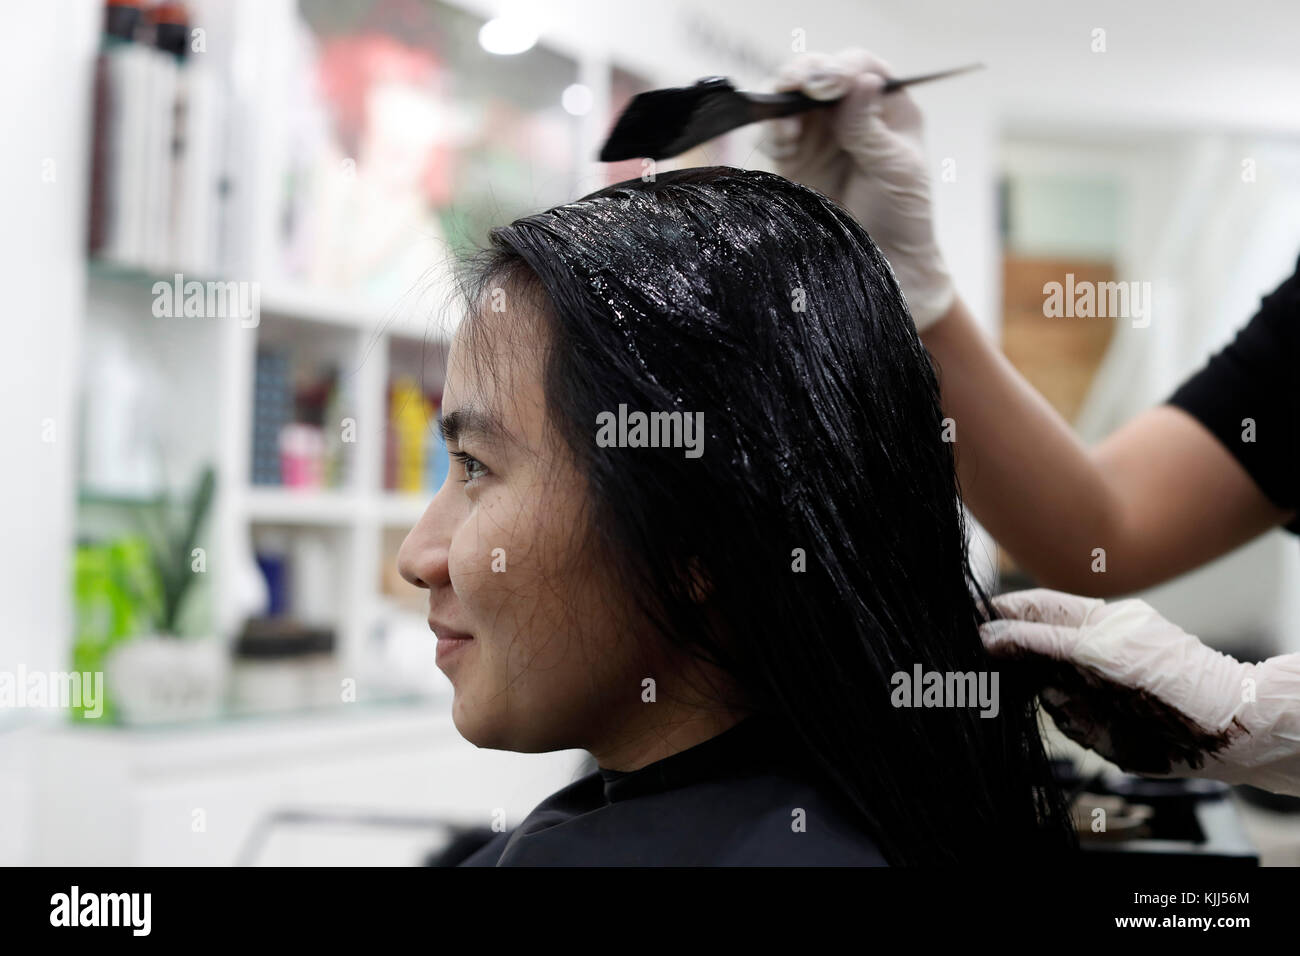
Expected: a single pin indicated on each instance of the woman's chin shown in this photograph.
(489, 729)
(479, 728)
(464, 720)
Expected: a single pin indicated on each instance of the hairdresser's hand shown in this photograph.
(1232, 721)
(865, 152)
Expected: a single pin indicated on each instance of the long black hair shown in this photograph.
(823, 518)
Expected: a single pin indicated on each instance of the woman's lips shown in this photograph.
(449, 641)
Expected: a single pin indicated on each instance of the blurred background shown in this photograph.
(228, 233)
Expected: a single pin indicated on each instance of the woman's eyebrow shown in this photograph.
(470, 420)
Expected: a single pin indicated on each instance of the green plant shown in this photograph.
(172, 546)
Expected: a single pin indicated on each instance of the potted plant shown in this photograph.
(163, 677)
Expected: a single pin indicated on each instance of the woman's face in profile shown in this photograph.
(549, 652)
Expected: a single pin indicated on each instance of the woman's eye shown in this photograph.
(473, 467)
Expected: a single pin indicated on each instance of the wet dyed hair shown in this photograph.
(766, 307)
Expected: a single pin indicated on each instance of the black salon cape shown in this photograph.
(1252, 378)
(730, 801)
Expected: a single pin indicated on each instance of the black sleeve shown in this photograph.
(1251, 378)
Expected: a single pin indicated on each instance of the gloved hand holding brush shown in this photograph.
(1122, 680)
(866, 153)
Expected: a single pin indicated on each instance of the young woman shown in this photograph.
(703, 523)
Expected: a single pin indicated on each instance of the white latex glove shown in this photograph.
(1128, 644)
(865, 152)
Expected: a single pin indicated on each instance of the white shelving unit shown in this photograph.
(363, 338)
(361, 510)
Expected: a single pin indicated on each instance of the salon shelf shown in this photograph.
(332, 307)
(400, 510)
(405, 315)
(93, 498)
(269, 505)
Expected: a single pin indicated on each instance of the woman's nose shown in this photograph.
(422, 559)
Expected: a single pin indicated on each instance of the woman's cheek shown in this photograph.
(467, 560)
(485, 557)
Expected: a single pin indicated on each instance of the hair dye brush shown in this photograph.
(660, 124)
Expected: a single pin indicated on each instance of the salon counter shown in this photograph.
(213, 794)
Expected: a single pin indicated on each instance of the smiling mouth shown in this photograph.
(449, 641)
(447, 634)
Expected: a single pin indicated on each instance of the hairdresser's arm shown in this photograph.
(1161, 495)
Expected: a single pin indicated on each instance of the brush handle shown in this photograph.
(892, 85)
(765, 106)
